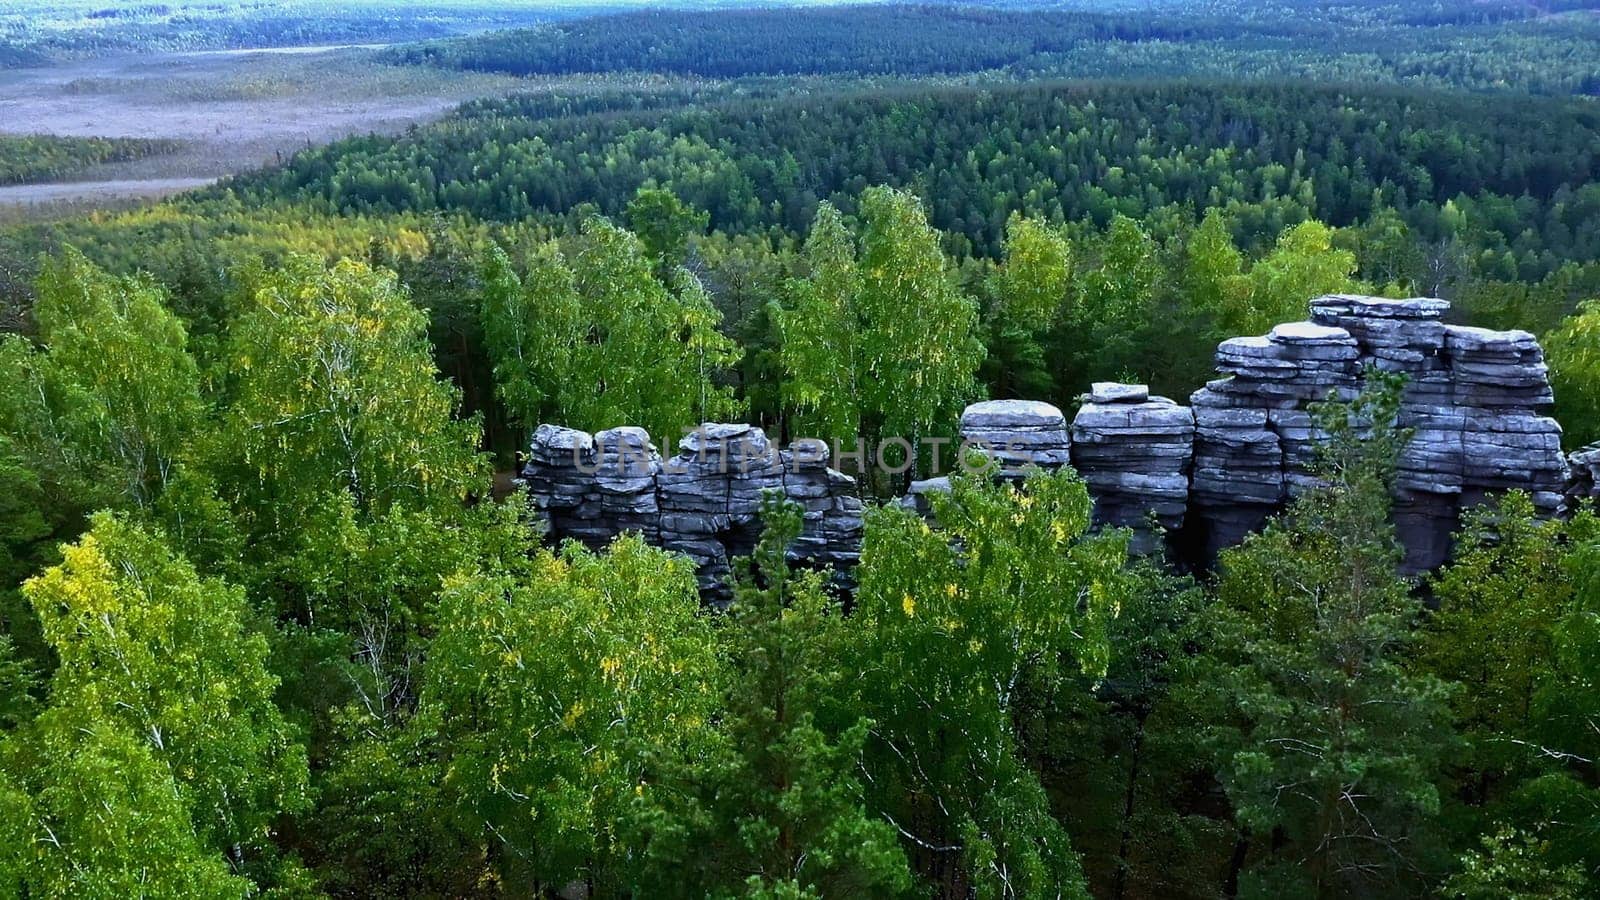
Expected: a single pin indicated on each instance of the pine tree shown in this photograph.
(1332, 764)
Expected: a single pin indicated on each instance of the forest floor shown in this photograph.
(232, 111)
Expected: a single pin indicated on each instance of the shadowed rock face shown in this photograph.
(702, 502)
(1584, 482)
(1473, 398)
(1134, 451)
(1208, 473)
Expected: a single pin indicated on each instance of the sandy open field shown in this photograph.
(233, 110)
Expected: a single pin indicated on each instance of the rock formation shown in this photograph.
(1209, 473)
(1134, 451)
(1584, 483)
(1473, 398)
(702, 502)
(1017, 434)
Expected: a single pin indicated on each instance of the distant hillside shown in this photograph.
(916, 40)
(1481, 46)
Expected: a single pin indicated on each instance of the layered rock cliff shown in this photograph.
(1201, 476)
(1474, 400)
(701, 502)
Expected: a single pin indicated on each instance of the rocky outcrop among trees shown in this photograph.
(1203, 475)
(1135, 452)
(701, 502)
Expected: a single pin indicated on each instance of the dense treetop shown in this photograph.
(30, 158)
(1483, 46)
(1453, 166)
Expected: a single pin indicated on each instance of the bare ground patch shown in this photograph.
(231, 111)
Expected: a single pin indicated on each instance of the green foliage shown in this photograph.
(821, 333)
(532, 327)
(664, 226)
(1512, 184)
(26, 158)
(1513, 865)
(103, 411)
(481, 719)
(1574, 354)
(161, 758)
(605, 342)
(168, 657)
(551, 694)
(1500, 600)
(776, 806)
(16, 688)
(96, 417)
(950, 623)
(386, 826)
(1488, 46)
(1030, 289)
(1333, 761)
(1120, 753)
(92, 812)
(1302, 265)
(1115, 299)
(855, 353)
(1214, 273)
(1034, 282)
(1559, 804)
(332, 390)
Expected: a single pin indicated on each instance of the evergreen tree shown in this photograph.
(1493, 635)
(1332, 766)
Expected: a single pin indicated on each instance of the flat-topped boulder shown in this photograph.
(1114, 392)
(1012, 414)
(1310, 333)
(1466, 338)
(1329, 308)
(557, 442)
(1018, 434)
(1134, 452)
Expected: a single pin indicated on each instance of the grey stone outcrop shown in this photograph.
(1018, 433)
(702, 502)
(1584, 481)
(1134, 451)
(1207, 473)
(1474, 399)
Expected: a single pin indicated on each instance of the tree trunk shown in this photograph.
(1120, 889)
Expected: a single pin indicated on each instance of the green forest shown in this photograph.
(1543, 48)
(34, 158)
(277, 621)
(35, 31)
